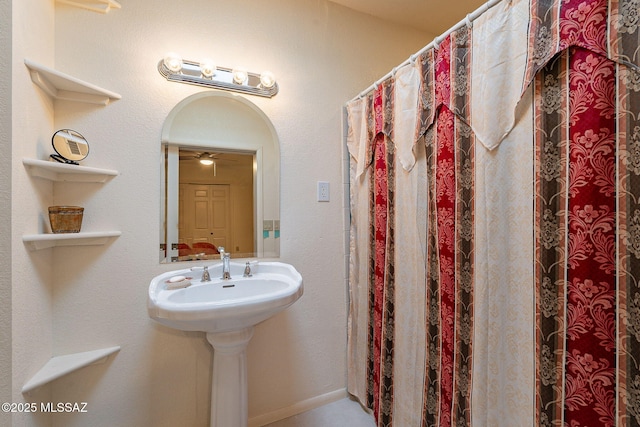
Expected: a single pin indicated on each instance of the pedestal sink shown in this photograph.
(227, 311)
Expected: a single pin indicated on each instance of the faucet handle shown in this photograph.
(206, 277)
(247, 270)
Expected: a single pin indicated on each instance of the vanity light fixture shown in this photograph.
(240, 75)
(267, 79)
(206, 73)
(173, 62)
(207, 68)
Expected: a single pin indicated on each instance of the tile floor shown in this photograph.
(341, 413)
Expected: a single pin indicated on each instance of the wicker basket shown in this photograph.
(65, 219)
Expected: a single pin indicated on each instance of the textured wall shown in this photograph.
(5, 209)
(322, 55)
(31, 272)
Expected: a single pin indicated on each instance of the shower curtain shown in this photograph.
(495, 224)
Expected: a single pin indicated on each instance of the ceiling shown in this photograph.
(432, 16)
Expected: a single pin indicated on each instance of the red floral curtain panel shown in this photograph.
(556, 343)
(381, 277)
(576, 240)
(449, 282)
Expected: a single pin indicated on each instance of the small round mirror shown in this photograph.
(70, 146)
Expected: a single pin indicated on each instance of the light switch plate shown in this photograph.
(323, 191)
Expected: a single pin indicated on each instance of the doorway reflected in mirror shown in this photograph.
(215, 204)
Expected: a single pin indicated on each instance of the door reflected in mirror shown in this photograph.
(215, 204)
(220, 180)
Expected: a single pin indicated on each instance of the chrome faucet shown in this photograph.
(226, 267)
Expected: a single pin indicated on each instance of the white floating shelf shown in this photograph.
(62, 86)
(55, 171)
(101, 6)
(36, 242)
(59, 366)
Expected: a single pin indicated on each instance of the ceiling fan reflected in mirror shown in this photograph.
(206, 157)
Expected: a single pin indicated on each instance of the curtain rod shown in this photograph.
(466, 21)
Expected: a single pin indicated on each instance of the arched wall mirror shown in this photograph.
(220, 180)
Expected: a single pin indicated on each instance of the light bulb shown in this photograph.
(207, 67)
(173, 62)
(206, 162)
(239, 75)
(267, 79)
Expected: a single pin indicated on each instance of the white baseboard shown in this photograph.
(297, 408)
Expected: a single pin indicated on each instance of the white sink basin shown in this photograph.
(224, 305)
(226, 310)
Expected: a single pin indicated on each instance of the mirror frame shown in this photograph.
(252, 126)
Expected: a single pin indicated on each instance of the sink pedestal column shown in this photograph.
(229, 401)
